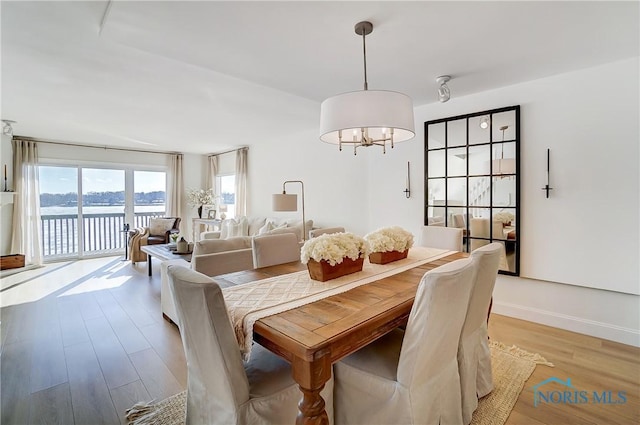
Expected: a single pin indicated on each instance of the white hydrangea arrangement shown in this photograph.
(387, 239)
(333, 248)
(503, 217)
(199, 197)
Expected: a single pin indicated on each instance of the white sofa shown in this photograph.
(255, 226)
(212, 258)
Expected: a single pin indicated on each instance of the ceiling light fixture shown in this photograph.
(444, 94)
(484, 122)
(7, 130)
(366, 117)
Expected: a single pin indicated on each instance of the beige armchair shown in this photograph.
(158, 232)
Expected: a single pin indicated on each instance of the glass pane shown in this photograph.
(479, 227)
(479, 160)
(58, 210)
(457, 191)
(457, 162)
(504, 158)
(435, 192)
(457, 133)
(502, 120)
(435, 136)
(479, 128)
(504, 191)
(228, 194)
(435, 216)
(505, 216)
(102, 209)
(479, 191)
(436, 163)
(456, 217)
(149, 189)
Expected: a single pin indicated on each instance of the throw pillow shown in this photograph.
(224, 227)
(232, 228)
(268, 226)
(255, 224)
(160, 226)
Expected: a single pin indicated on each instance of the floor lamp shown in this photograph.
(285, 202)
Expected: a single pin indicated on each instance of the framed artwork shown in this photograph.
(209, 211)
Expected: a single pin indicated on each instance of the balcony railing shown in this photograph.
(102, 233)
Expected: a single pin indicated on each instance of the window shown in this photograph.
(93, 223)
(226, 188)
(472, 179)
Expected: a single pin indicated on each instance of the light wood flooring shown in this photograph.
(82, 341)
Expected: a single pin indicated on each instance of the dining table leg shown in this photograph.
(311, 376)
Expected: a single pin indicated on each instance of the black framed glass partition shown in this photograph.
(472, 179)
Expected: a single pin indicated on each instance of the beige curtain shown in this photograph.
(241, 181)
(175, 186)
(212, 172)
(26, 207)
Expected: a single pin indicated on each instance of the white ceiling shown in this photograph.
(204, 76)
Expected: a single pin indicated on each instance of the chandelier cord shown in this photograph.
(364, 55)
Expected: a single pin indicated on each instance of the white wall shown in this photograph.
(586, 234)
(335, 182)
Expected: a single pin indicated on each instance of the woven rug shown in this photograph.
(511, 367)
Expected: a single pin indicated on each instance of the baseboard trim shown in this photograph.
(571, 323)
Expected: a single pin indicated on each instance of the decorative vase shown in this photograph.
(323, 271)
(387, 257)
(200, 211)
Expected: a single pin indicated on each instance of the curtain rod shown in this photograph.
(33, 139)
(229, 151)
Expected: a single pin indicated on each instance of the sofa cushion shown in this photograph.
(293, 227)
(210, 246)
(160, 226)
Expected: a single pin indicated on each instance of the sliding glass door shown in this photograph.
(84, 210)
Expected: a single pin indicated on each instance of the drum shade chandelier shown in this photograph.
(367, 117)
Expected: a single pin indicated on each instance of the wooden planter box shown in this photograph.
(323, 271)
(13, 261)
(387, 257)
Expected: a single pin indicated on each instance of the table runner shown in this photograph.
(252, 301)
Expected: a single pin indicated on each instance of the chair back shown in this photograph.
(217, 383)
(442, 237)
(327, 230)
(269, 250)
(487, 262)
(431, 338)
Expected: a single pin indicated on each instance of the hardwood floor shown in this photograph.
(83, 341)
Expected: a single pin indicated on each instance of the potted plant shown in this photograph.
(333, 255)
(389, 244)
(504, 217)
(199, 198)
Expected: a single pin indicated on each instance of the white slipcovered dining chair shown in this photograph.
(474, 356)
(220, 388)
(411, 376)
(269, 250)
(442, 237)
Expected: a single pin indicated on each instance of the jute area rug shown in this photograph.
(511, 368)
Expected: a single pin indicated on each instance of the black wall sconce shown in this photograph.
(546, 187)
(407, 190)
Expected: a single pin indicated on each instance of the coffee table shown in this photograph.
(162, 252)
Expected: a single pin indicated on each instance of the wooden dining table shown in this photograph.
(316, 335)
